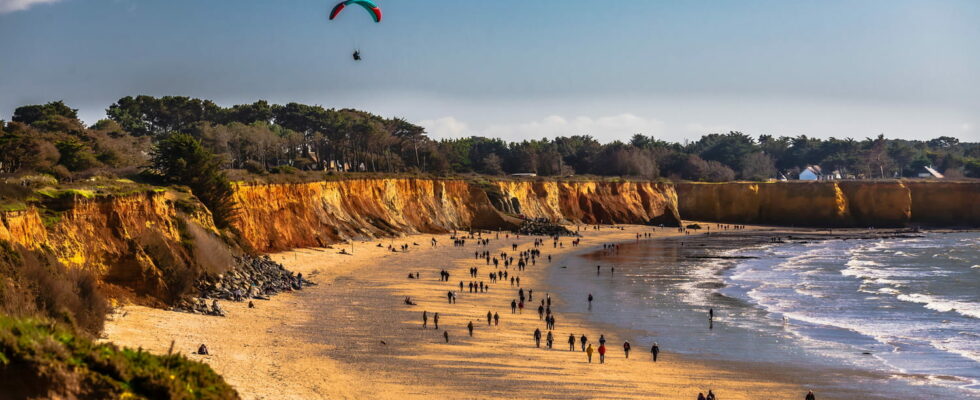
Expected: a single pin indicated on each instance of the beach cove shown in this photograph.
(352, 336)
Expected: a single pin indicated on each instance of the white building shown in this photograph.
(811, 173)
(930, 172)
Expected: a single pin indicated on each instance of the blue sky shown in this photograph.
(522, 69)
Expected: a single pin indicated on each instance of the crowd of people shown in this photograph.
(501, 263)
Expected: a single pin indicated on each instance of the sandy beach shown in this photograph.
(352, 336)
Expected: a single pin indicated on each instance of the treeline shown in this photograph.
(263, 138)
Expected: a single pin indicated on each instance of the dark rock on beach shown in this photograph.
(250, 278)
(543, 228)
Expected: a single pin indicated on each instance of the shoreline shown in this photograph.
(326, 341)
(824, 380)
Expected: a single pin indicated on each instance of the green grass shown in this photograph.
(55, 193)
(51, 356)
(13, 206)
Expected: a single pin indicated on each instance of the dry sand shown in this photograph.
(326, 341)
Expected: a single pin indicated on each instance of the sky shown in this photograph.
(519, 69)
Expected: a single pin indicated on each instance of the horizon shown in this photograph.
(902, 69)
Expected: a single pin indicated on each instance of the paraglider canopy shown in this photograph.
(367, 4)
(357, 55)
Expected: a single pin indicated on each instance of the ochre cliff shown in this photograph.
(590, 202)
(152, 242)
(946, 203)
(833, 204)
(134, 241)
(278, 217)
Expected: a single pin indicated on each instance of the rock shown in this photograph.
(250, 278)
(543, 228)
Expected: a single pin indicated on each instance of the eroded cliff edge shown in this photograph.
(834, 204)
(149, 244)
(152, 245)
(279, 217)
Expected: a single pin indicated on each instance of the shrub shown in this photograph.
(35, 284)
(285, 169)
(39, 359)
(254, 167)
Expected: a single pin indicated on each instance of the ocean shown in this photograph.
(888, 318)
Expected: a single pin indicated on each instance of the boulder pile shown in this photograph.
(543, 228)
(250, 278)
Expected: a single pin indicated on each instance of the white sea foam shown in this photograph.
(940, 304)
(800, 286)
(694, 290)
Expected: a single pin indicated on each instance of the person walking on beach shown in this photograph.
(810, 396)
(551, 339)
(425, 319)
(449, 294)
(655, 350)
(435, 320)
(513, 306)
(496, 319)
(445, 334)
(602, 340)
(710, 396)
(590, 301)
(584, 340)
(588, 352)
(700, 396)
(489, 317)
(540, 312)
(537, 338)
(469, 326)
(626, 348)
(602, 354)
(571, 342)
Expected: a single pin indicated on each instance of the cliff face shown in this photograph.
(590, 202)
(277, 217)
(833, 204)
(132, 241)
(946, 203)
(153, 242)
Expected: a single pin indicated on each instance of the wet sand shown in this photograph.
(353, 337)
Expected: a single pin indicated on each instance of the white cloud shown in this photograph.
(446, 127)
(606, 128)
(8, 6)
